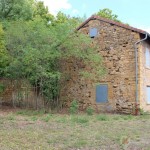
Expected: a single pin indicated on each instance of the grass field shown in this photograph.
(24, 129)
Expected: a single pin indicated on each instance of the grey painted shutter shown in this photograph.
(148, 94)
(147, 55)
(93, 32)
(101, 93)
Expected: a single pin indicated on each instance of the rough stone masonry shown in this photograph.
(116, 46)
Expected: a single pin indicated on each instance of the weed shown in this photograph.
(47, 117)
(24, 112)
(34, 118)
(1, 121)
(142, 112)
(80, 143)
(11, 117)
(124, 140)
(102, 118)
(61, 120)
(80, 119)
(30, 112)
(90, 111)
(127, 117)
(116, 118)
(74, 107)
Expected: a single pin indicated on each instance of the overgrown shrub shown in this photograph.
(74, 107)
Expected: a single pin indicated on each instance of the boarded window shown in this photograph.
(93, 32)
(147, 57)
(148, 94)
(102, 93)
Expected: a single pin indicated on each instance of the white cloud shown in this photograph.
(75, 11)
(55, 6)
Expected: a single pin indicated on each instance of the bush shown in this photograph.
(89, 111)
(74, 107)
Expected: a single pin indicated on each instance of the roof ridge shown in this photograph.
(93, 17)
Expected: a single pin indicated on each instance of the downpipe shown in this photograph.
(136, 73)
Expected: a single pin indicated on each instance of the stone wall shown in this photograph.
(144, 76)
(116, 46)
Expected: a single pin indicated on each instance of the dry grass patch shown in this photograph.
(36, 130)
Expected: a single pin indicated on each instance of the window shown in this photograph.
(148, 94)
(93, 32)
(102, 93)
(147, 57)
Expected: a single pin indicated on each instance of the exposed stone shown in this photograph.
(116, 46)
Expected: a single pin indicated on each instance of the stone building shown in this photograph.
(126, 57)
(124, 88)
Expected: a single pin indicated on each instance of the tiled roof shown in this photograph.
(95, 17)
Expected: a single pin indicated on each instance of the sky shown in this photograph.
(134, 12)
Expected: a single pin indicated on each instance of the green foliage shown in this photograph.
(4, 56)
(80, 143)
(74, 107)
(14, 9)
(80, 119)
(47, 117)
(30, 113)
(102, 118)
(41, 11)
(24, 10)
(107, 13)
(127, 117)
(61, 119)
(34, 118)
(11, 117)
(38, 51)
(89, 110)
(36, 44)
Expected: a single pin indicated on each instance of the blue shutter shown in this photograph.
(101, 93)
(93, 32)
(148, 94)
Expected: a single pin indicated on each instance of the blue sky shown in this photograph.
(134, 12)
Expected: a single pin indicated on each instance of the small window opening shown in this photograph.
(102, 93)
(93, 32)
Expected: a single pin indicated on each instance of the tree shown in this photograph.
(14, 9)
(107, 13)
(41, 11)
(4, 57)
(38, 50)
